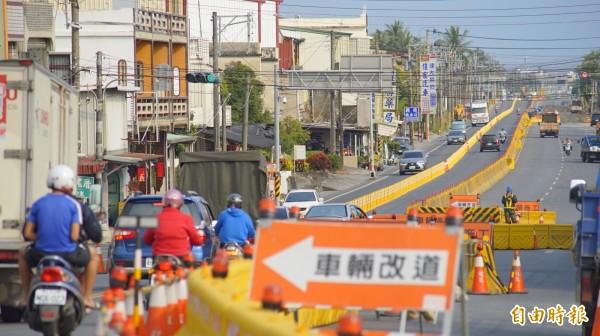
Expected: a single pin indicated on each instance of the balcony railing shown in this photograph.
(160, 23)
(167, 110)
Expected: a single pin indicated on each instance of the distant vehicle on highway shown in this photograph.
(459, 126)
(340, 211)
(595, 119)
(303, 198)
(122, 246)
(489, 142)
(479, 113)
(413, 161)
(404, 144)
(456, 137)
(590, 148)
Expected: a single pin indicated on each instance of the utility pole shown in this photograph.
(426, 126)
(276, 103)
(216, 87)
(224, 122)
(410, 93)
(99, 108)
(332, 138)
(341, 122)
(75, 41)
(246, 112)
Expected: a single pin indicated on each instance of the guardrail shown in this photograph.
(387, 194)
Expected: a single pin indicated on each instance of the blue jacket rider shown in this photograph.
(234, 225)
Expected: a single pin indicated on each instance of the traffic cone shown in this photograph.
(100, 327)
(350, 325)
(129, 306)
(516, 285)
(157, 308)
(517, 218)
(541, 219)
(479, 285)
(128, 329)
(120, 301)
(101, 268)
(182, 292)
(172, 303)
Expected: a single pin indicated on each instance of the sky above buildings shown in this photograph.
(552, 34)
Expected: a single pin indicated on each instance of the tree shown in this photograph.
(591, 65)
(234, 86)
(456, 40)
(395, 37)
(291, 133)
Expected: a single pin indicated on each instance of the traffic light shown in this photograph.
(203, 77)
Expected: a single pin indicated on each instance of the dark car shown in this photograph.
(456, 137)
(595, 119)
(282, 212)
(489, 142)
(122, 246)
(404, 142)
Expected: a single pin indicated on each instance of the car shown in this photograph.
(404, 142)
(121, 249)
(302, 198)
(282, 212)
(455, 137)
(413, 161)
(595, 119)
(460, 125)
(489, 142)
(341, 211)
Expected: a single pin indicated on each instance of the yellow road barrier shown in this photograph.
(531, 236)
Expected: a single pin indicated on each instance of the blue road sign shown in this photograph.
(411, 114)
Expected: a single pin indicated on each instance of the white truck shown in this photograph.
(38, 129)
(480, 113)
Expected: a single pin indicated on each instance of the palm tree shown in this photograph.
(379, 40)
(456, 40)
(398, 37)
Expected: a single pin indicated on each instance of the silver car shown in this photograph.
(340, 211)
(456, 137)
(413, 161)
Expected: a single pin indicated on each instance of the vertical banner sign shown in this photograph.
(373, 106)
(3, 98)
(424, 85)
(141, 174)
(389, 100)
(432, 84)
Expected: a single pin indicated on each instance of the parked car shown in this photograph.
(489, 142)
(404, 142)
(595, 119)
(340, 211)
(122, 246)
(302, 198)
(413, 161)
(456, 137)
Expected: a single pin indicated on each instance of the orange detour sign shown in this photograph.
(464, 201)
(330, 263)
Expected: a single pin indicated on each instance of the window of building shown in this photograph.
(139, 75)
(122, 73)
(60, 65)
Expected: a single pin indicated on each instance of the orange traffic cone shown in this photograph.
(517, 218)
(479, 285)
(101, 268)
(157, 308)
(541, 219)
(129, 305)
(350, 325)
(120, 301)
(172, 304)
(515, 284)
(182, 292)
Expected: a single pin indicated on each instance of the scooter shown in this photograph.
(567, 148)
(55, 305)
(502, 139)
(234, 250)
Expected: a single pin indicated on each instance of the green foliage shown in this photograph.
(234, 86)
(395, 37)
(291, 133)
(286, 163)
(302, 166)
(336, 161)
(266, 153)
(591, 64)
(193, 129)
(393, 146)
(319, 162)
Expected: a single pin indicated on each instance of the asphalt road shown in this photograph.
(541, 172)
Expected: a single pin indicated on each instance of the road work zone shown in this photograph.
(329, 264)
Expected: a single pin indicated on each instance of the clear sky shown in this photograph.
(553, 34)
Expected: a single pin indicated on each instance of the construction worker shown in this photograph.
(508, 201)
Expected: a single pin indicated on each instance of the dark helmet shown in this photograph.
(234, 200)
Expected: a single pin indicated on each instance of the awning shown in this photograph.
(88, 165)
(179, 138)
(132, 158)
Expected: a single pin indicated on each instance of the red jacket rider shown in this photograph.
(176, 232)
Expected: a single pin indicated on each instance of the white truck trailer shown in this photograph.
(38, 129)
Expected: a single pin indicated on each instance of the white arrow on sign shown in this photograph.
(303, 263)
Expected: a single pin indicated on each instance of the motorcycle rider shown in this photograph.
(176, 232)
(508, 201)
(502, 133)
(518, 111)
(54, 228)
(567, 142)
(234, 225)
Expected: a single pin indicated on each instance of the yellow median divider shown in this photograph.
(220, 307)
(532, 236)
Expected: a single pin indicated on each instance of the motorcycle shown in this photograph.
(55, 305)
(502, 138)
(567, 148)
(233, 250)
(159, 264)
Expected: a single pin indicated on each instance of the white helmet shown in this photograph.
(61, 178)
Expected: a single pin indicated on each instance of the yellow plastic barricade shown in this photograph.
(528, 236)
(501, 236)
(560, 236)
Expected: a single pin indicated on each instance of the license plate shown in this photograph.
(412, 167)
(149, 262)
(55, 297)
(455, 140)
(489, 143)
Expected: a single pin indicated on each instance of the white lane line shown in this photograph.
(541, 199)
(548, 251)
